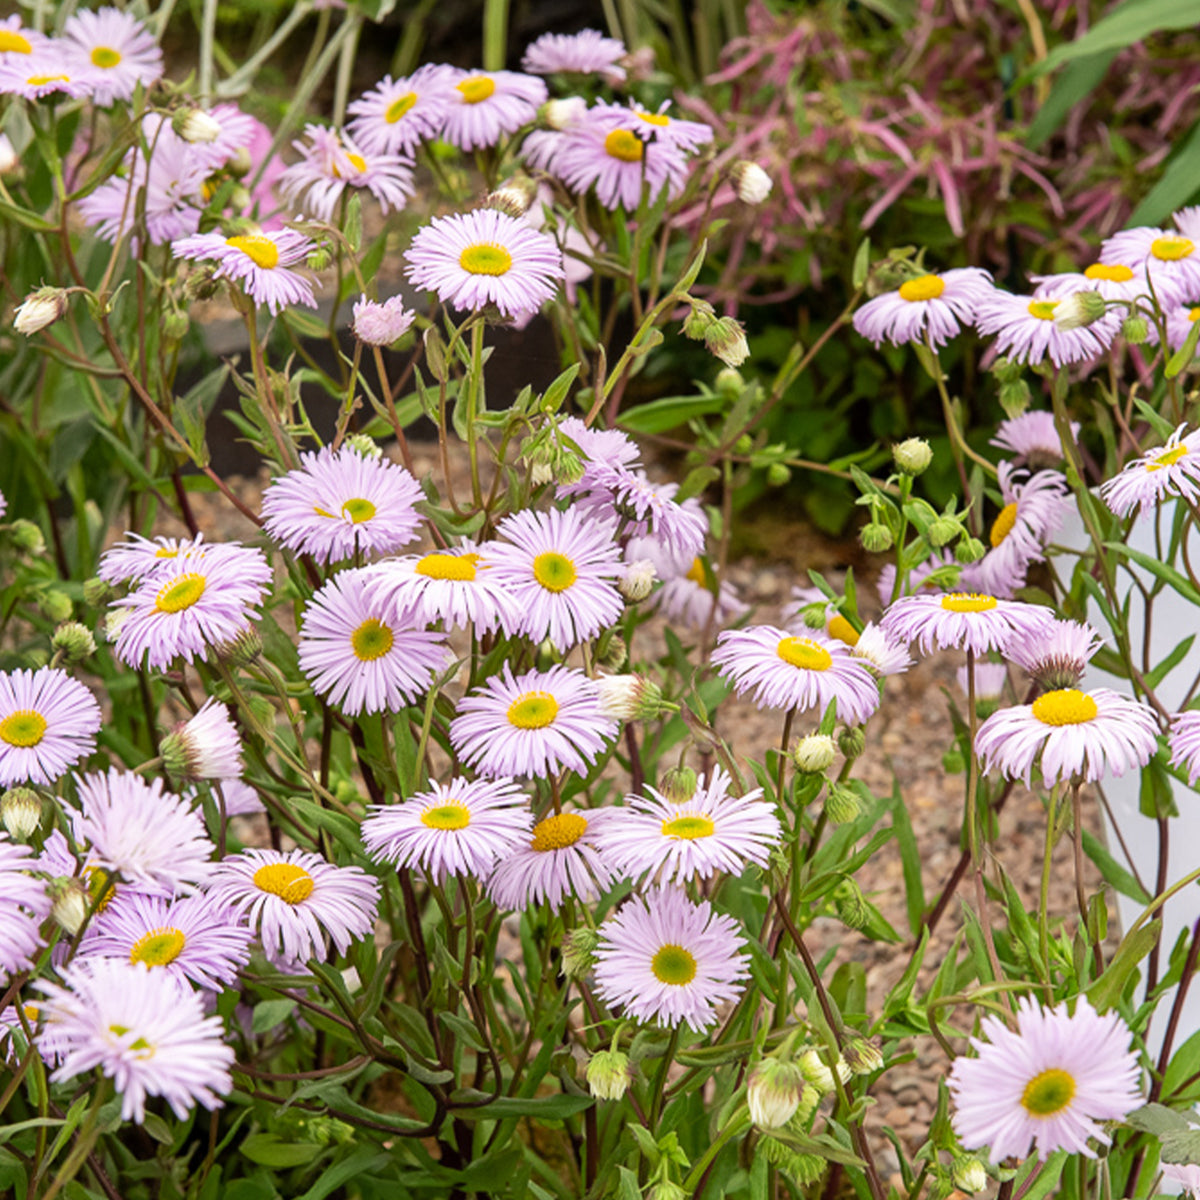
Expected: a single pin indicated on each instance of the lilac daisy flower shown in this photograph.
(1057, 656)
(1025, 330)
(381, 324)
(117, 48)
(18, 41)
(143, 1030)
(1069, 734)
(667, 960)
(297, 900)
(58, 862)
(43, 73)
(151, 837)
(484, 107)
(1180, 319)
(677, 841)
(588, 52)
(397, 115)
(360, 651)
(190, 938)
(688, 599)
(339, 503)
(990, 681)
(459, 828)
(786, 671)
(330, 163)
(259, 263)
(205, 747)
(48, 722)
(662, 129)
(24, 905)
(138, 557)
(238, 798)
(1168, 259)
(1186, 1175)
(933, 306)
(605, 447)
(563, 858)
(1033, 438)
(560, 569)
(883, 654)
(531, 724)
(1184, 741)
(963, 621)
(1046, 1085)
(1115, 282)
(485, 257)
(192, 604)
(646, 508)
(1171, 470)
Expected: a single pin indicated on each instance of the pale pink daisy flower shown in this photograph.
(645, 507)
(117, 48)
(207, 746)
(962, 621)
(883, 654)
(1168, 259)
(1180, 320)
(259, 263)
(1057, 656)
(933, 306)
(1185, 1175)
(48, 722)
(665, 960)
(588, 52)
(657, 126)
(689, 599)
(18, 41)
(58, 861)
(463, 827)
(560, 568)
(340, 503)
(677, 841)
(330, 163)
(44, 73)
(144, 1031)
(24, 905)
(139, 557)
(561, 859)
(237, 798)
(235, 130)
(1172, 469)
(786, 671)
(191, 938)
(606, 447)
(381, 324)
(1114, 281)
(925, 576)
(296, 901)
(361, 651)
(1047, 1085)
(532, 724)
(1184, 742)
(397, 115)
(1026, 333)
(191, 605)
(485, 106)
(991, 678)
(1033, 438)
(1069, 734)
(485, 257)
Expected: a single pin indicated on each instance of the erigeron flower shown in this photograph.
(48, 722)
(1169, 260)
(259, 263)
(138, 557)
(883, 654)
(1033, 438)
(116, 50)
(1113, 281)
(397, 115)
(1172, 469)
(688, 598)
(381, 324)
(1026, 331)
(1184, 742)
(645, 508)
(206, 746)
(24, 905)
(483, 107)
(43, 72)
(18, 41)
(934, 306)
(1181, 319)
(773, 1090)
(962, 621)
(991, 678)
(1057, 656)
(585, 53)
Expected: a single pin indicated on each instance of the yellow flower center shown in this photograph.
(1047, 1094)
(12, 42)
(1003, 524)
(624, 145)
(1043, 309)
(23, 728)
(1168, 458)
(261, 250)
(841, 629)
(100, 888)
(1194, 314)
(1067, 706)
(357, 162)
(1172, 247)
(451, 815)
(1112, 272)
(477, 89)
(371, 640)
(689, 827)
(698, 575)
(804, 653)
(533, 710)
(358, 510)
(106, 57)
(292, 884)
(968, 602)
(558, 832)
(180, 593)
(42, 80)
(673, 964)
(166, 552)
(486, 258)
(924, 287)
(555, 572)
(399, 106)
(460, 567)
(659, 119)
(158, 947)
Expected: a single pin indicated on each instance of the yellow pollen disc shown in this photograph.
(689, 827)
(32, 1012)
(166, 552)
(697, 574)
(371, 640)
(13, 43)
(659, 119)
(259, 249)
(180, 593)
(460, 567)
(1168, 458)
(555, 572)
(100, 891)
(1043, 309)
(1068, 706)
(1047, 1094)
(158, 947)
(673, 964)
(485, 259)
(357, 162)
(804, 653)
(1112, 272)
(399, 107)
(1172, 248)
(106, 57)
(924, 287)
(558, 832)
(968, 602)
(208, 189)
(1003, 524)
(450, 815)
(533, 710)
(358, 510)
(1194, 314)
(42, 80)
(477, 89)
(23, 728)
(292, 884)
(624, 145)
(841, 629)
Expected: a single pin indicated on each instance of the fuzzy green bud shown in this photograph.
(699, 320)
(579, 952)
(773, 1092)
(73, 641)
(637, 580)
(852, 742)
(726, 339)
(666, 1189)
(242, 649)
(679, 784)
(608, 1074)
(819, 1074)
(969, 1174)
(803, 1169)
(912, 456)
(367, 446)
(319, 259)
(942, 531)
(969, 549)
(1135, 331)
(862, 1057)
(27, 537)
(629, 697)
(778, 474)
(841, 804)
(850, 906)
(21, 812)
(55, 605)
(810, 1097)
(96, 592)
(175, 325)
(729, 382)
(876, 538)
(814, 754)
(814, 615)
(1079, 309)
(953, 762)
(744, 444)
(616, 653)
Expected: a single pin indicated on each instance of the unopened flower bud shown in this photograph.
(205, 747)
(515, 196)
(195, 125)
(666, 1189)
(953, 762)
(242, 649)
(579, 952)
(969, 1174)
(175, 325)
(852, 742)
(814, 754)
(1079, 309)
(8, 156)
(778, 474)
(365, 445)
(726, 339)
(637, 580)
(241, 162)
(729, 382)
(875, 537)
(629, 697)
(114, 618)
(751, 183)
(942, 531)
(850, 906)
(773, 1092)
(1135, 330)
(615, 653)
(96, 591)
(74, 641)
(27, 537)
(318, 259)
(969, 549)
(562, 114)
(201, 282)
(21, 812)
(71, 902)
(912, 456)
(39, 309)
(608, 1074)
(815, 615)
(699, 320)
(841, 804)
(803, 1169)
(820, 1075)
(679, 784)
(862, 1057)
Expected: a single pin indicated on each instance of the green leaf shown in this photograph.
(669, 412)
(23, 216)
(361, 1162)
(544, 1108)
(268, 1150)
(1184, 355)
(1047, 1176)
(1111, 871)
(1075, 84)
(910, 861)
(1126, 24)
(556, 393)
(1106, 991)
(1160, 570)
(862, 263)
(270, 1013)
(1168, 664)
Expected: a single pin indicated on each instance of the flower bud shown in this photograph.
(175, 325)
(55, 605)
(9, 158)
(39, 309)
(969, 1174)
(862, 1057)
(637, 580)
(726, 339)
(96, 591)
(514, 197)
(27, 537)
(729, 382)
(969, 549)
(562, 114)
(608, 1074)
(912, 456)
(953, 762)
(1079, 309)
(852, 742)
(615, 653)
(850, 906)
(73, 641)
(803, 1169)
(666, 1189)
(699, 321)
(71, 902)
(242, 649)
(579, 952)
(1135, 330)
(751, 183)
(814, 615)
(364, 445)
(778, 474)
(818, 1074)
(773, 1093)
(319, 259)
(114, 618)
(875, 537)
(814, 754)
(195, 125)
(629, 697)
(21, 812)
(841, 804)
(942, 531)
(239, 165)
(679, 784)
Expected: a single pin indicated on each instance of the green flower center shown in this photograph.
(358, 510)
(400, 106)
(371, 640)
(158, 947)
(25, 727)
(555, 572)
(486, 258)
(451, 815)
(1047, 1094)
(689, 827)
(673, 964)
(106, 57)
(180, 593)
(533, 710)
